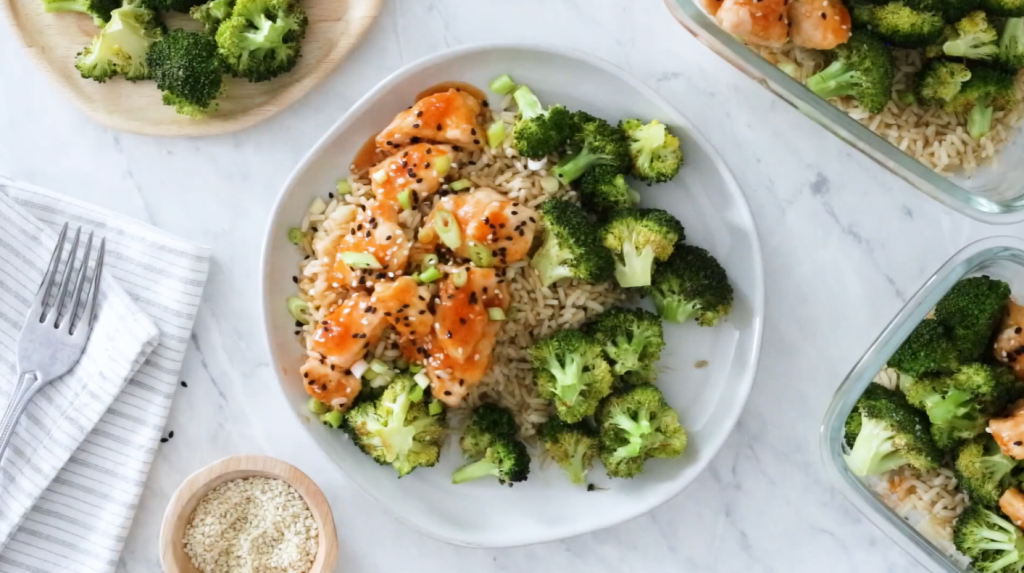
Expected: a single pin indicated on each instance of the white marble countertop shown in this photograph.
(845, 243)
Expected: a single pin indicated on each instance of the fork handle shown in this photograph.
(23, 392)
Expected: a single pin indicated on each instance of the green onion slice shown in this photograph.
(430, 275)
(416, 394)
(495, 314)
(298, 309)
(435, 408)
(495, 133)
(359, 260)
(447, 228)
(317, 407)
(459, 277)
(461, 184)
(481, 256)
(430, 261)
(415, 368)
(332, 419)
(405, 199)
(295, 235)
(343, 188)
(442, 164)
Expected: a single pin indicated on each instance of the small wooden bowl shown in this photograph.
(179, 511)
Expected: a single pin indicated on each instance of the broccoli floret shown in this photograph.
(952, 10)
(572, 246)
(122, 45)
(928, 350)
(960, 405)
(972, 310)
(898, 24)
(187, 71)
(212, 13)
(488, 423)
(634, 425)
(993, 544)
(1011, 44)
(972, 37)
(852, 427)
(983, 470)
(604, 189)
(892, 434)
(99, 9)
(939, 82)
(594, 142)
(989, 89)
(506, 459)
(572, 446)
(861, 68)
(569, 369)
(1005, 8)
(691, 283)
(632, 339)
(396, 431)
(539, 132)
(638, 237)
(261, 39)
(182, 6)
(654, 151)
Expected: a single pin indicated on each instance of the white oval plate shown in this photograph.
(704, 196)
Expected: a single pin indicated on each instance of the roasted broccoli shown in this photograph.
(862, 68)
(960, 405)
(1011, 44)
(505, 459)
(187, 71)
(928, 350)
(261, 39)
(212, 13)
(972, 310)
(99, 9)
(572, 246)
(122, 45)
(488, 423)
(1006, 8)
(972, 37)
(604, 189)
(394, 430)
(539, 132)
(898, 24)
(173, 5)
(989, 89)
(632, 339)
(852, 427)
(952, 10)
(892, 434)
(653, 150)
(691, 283)
(636, 424)
(569, 369)
(983, 470)
(993, 544)
(638, 237)
(594, 142)
(939, 82)
(572, 446)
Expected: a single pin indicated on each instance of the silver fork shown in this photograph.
(51, 341)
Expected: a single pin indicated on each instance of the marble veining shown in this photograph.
(845, 244)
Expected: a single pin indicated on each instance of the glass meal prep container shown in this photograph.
(998, 257)
(993, 193)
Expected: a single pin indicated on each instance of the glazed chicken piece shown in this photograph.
(487, 218)
(414, 168)
(711, 6)
(1008, 432)
(761, 22)
(376, 232)
(1012, 504)
(463, 338)
(404, 304)
(1009, 346)
(818, 24)
(445, 117)
(339, 342)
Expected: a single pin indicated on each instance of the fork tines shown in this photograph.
(60, 313)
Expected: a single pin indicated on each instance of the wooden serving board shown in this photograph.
(335, 26)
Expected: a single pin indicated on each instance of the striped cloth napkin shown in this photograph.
(72, 477)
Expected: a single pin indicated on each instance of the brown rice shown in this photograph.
(535, 310)
(934, 137)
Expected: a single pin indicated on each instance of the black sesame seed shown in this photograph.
(428, 151)
(419, 114)
(426, 165)
(163, 440)
(439, 127)
(414, 140)
(298, 324)
(295, 280)
(447, 392)
(184, 384)
(170, 434)
(823, 16)
(476, 141)
(1017, 330)
(417, 126)
(472, 131)
(323, 387)
(462, 320)
(448, 334)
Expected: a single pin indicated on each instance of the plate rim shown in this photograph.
(757, 294)
(370, 10)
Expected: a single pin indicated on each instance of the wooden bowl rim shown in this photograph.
(241, 466)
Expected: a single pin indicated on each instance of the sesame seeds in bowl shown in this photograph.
(248, 513)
